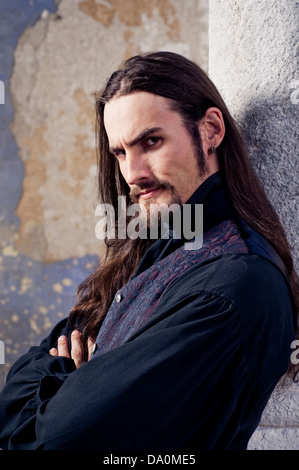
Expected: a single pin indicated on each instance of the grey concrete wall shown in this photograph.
(253, 60)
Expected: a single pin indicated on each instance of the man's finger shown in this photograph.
(77, 352)
(90, 344)
(62, 346)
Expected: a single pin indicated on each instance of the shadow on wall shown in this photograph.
(270, 130)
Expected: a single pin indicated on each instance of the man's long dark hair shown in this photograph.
(191, 93)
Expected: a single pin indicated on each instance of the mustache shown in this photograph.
(149, 184)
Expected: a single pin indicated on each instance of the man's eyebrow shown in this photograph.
(145, 133)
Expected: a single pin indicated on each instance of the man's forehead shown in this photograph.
(128, 116)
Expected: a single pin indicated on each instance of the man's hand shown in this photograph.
(77, 353)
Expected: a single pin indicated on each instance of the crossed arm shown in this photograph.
(148, 393)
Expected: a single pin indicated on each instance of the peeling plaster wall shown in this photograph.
(53, 56)
(58, 64)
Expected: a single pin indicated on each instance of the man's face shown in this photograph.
(155, 151)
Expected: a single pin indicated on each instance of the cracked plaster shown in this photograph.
(58, 64)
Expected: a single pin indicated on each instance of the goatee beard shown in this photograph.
(152, 211)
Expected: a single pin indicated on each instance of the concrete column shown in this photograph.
(253, 60)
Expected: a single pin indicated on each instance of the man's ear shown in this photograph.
(212, 129)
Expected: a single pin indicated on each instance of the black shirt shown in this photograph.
(196, 374)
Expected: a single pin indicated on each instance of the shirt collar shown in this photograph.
(212, 193)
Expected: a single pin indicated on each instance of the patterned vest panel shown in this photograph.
(136, 302)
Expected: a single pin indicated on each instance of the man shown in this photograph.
(166, 348)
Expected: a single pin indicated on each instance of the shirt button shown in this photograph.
(118, 298)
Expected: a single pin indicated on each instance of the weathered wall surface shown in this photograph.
(58, 64)
(53, 56)
(253, 60)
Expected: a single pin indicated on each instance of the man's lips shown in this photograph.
(150, 192)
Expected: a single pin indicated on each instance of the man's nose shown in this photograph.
(136, 169)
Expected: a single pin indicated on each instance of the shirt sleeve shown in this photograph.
(182, 372)
(35, 377)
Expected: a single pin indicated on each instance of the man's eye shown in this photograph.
(152, 141)
(119, 154)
